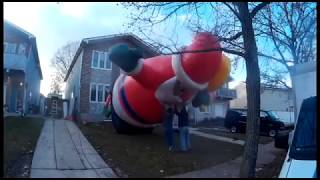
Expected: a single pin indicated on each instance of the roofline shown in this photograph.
(20, 29)
(32, 39)
(74, 60)
(130, 36)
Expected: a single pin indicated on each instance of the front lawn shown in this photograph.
(148, 156)
(20, 139)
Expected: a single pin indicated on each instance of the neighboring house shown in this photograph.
(218, 107)
(304, 82)
(278, 100)
(91, 74)
(42, 104)
(21, 70)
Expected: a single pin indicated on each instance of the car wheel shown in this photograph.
(272, 133)
(233, 129)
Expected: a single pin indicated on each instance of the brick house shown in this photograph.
(91, 74)
(21, 70)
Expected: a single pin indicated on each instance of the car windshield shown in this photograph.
(304, 140)
(273, 115)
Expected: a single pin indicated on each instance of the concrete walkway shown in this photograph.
(219, 138)
(231, 169)
(63, 152)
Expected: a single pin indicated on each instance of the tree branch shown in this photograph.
(236, 36)
(258, 8)
(233, 10)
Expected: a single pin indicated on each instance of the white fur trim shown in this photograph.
(183, 76)
(118, 108)
(137, 69)
(164, 92)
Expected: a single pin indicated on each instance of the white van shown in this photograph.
(301, 160)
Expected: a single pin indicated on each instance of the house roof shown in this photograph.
(129, 36)
(32, 40)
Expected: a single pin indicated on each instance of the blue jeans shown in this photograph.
(169, 132)
(185, 138)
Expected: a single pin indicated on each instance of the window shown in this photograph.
(22, 49)
(95, 59)
(93, 92)
(304, 143)
(100, 93)
(204, 108)
(108, 62)
(100, 60)
(106, 92)
(5, 46)
(10, 48)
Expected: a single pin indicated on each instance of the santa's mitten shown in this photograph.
(124, 57)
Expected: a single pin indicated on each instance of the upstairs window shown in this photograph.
(95, 59)
(10, 48)
(100, 60)
(22, 49)
(108, 62)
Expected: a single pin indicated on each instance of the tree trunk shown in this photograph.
(253, 93)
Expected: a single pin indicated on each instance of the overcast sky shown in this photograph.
(55, 24)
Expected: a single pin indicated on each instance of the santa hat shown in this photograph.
(195, 70)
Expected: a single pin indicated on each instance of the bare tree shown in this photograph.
(61, 62)
(55, 86)
(291, 28)
(233, 23)
(63, 58)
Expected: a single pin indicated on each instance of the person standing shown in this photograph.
(169, 134)
(108, 105)
(183, 123)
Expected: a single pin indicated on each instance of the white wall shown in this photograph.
(276, 100)
(216, 109)
(270, 99)
(72, 89)
(305, 82)
(241, 100)
(285, 116)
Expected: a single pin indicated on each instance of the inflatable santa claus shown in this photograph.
(147, 86)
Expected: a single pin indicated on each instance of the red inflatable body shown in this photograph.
(140, 96)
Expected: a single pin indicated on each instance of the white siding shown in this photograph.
(73, 84)
(271, 99)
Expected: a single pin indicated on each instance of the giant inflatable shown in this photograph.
(147, 86)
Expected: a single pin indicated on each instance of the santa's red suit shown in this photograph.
(140, 96)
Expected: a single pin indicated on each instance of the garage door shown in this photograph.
(220, 110)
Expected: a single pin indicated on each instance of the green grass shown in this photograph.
(236, 136)
(20, 138)
(147, 155)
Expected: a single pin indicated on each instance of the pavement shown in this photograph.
(231, 169)
(219, 138)
(63, 152)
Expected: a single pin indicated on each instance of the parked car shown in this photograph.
(301, 160)
(236, 120)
